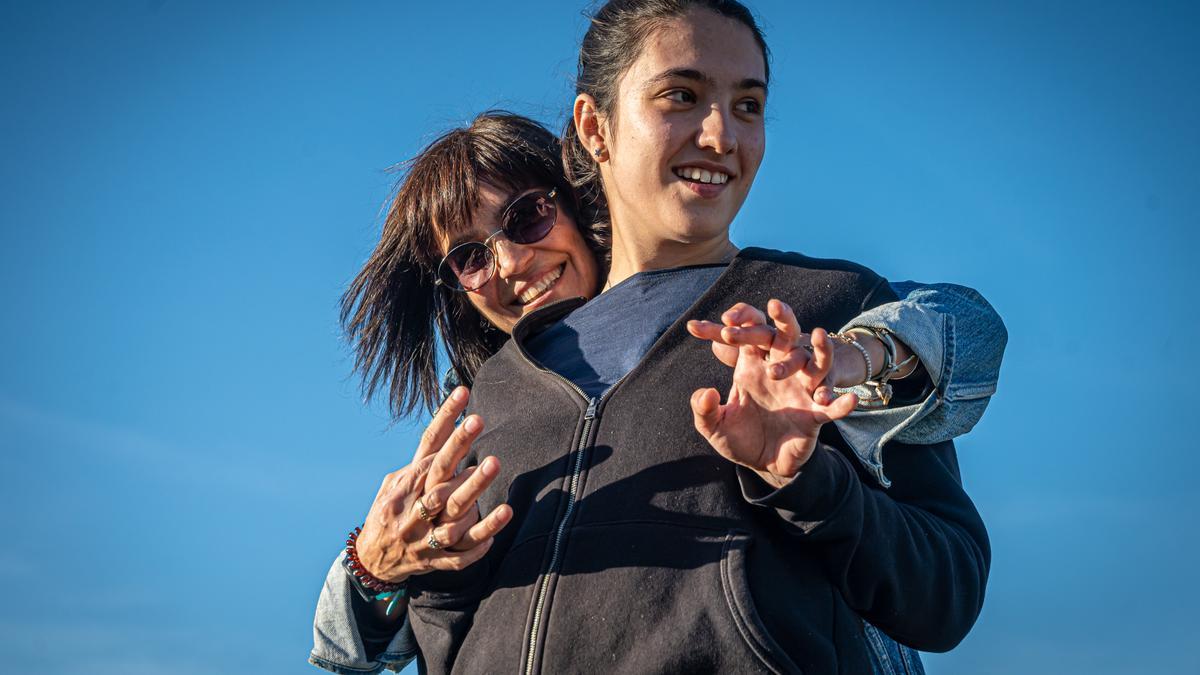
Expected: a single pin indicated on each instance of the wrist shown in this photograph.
(774, 480)
(874, 347)
(369, 586)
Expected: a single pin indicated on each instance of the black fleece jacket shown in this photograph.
(636, 548)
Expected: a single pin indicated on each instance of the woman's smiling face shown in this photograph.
(686, 137)
(527, 276)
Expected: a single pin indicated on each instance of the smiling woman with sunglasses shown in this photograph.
(484, 229)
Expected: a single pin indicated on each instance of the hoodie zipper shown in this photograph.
(573, 492)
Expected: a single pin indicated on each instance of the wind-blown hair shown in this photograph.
(393, 313)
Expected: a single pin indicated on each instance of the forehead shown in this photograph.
(490, 201)
(723, 48)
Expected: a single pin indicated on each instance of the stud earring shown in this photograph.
(598, 152)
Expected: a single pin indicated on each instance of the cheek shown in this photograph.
(490, 308)
(756, 147)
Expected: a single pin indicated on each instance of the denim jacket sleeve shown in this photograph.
(960, 339)
(337, 645)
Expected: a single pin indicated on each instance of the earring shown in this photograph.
(598, 151)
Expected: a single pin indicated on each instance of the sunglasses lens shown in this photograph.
(530, 218)
(468, 266)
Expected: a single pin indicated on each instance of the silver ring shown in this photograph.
(424, 513)
(433, 542)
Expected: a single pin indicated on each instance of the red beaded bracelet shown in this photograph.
(355, 567)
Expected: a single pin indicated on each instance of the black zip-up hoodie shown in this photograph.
(636, 548)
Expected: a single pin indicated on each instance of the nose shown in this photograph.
(511, 259)
(716, 132)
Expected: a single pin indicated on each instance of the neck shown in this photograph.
(630, 257)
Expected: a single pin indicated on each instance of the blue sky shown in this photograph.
(188, 187)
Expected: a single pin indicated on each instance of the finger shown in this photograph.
(706, 411)
(455, 561)
(824, 395)
(841, 407)
(758, 336)
(486, 528)
(436, 498)
(464, 497)
(727, 354)
(787, 329)
(446, 460)
(822, 359)
(449, 534)
(743, 314)
(789, 364)
(705, 330)
(442, 425)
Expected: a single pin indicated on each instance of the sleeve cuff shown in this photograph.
(812, 498)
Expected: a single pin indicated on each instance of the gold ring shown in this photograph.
(424, 513)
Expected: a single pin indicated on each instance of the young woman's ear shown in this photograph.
(590, 127)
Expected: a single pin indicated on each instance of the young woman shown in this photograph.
(530, 276)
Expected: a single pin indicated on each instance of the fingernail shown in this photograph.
(472, 424)
(459, 393)
(777, 371)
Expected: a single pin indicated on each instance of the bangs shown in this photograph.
(440, 193)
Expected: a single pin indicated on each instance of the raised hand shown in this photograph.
(425, 517)
(778, 400)
(788, 347)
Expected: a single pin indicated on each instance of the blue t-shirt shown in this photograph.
(597, 344)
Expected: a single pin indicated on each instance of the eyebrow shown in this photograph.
(696, 75)
(468, 237)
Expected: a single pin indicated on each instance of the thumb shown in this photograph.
(727, 354)
(841, 407)
(706, 411)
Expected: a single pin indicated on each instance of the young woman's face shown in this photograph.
(527, 276)
(688, 135)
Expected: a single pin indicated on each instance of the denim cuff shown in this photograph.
(337, 643)
(960, 340)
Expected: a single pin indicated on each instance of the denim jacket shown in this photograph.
(960, 340)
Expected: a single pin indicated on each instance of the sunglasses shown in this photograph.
(527, 220)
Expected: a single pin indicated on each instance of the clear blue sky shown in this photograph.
(188, 187)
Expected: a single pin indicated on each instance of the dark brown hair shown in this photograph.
(614, 40)
(393, 310)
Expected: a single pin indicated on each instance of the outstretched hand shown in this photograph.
(778, 401)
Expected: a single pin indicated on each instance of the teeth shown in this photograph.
(540, 287)
(702, 175)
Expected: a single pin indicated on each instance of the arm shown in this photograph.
(913, 560)
(347, 639)
(424, 519)
(960, 342)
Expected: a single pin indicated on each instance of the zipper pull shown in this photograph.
(591, 409)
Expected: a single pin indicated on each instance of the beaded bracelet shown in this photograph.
(370, 587)
(846, 339)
